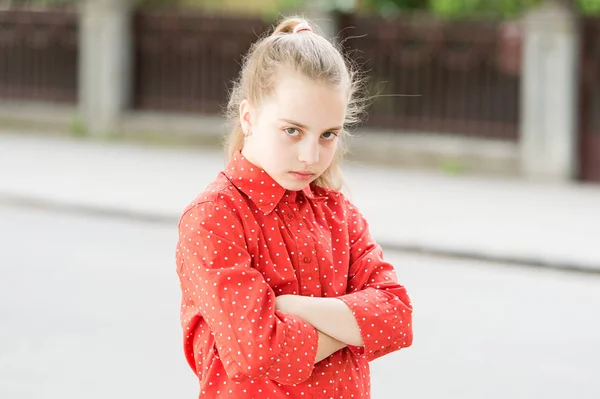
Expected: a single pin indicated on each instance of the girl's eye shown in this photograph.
(292, 131)
(329, 135)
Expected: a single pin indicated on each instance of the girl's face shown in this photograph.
(294, 133)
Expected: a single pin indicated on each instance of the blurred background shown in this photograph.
(478, 168)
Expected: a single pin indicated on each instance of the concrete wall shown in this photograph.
(105, 63)
(549, 93)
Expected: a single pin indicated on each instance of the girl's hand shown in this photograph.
(331, 316)
(287, 303)
(293, 304)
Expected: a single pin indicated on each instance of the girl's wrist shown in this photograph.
(292, 304)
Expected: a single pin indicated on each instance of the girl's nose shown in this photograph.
(309, 152)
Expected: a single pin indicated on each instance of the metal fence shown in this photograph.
(186, 61)
(453, 78)
(459, 79)
(38, 55)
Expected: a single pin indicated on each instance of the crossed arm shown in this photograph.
(374, 317)
(331, 317)
(283, 337)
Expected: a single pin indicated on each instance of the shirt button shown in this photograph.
(306, 259)
(290, 215)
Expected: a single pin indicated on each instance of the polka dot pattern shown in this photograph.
(244, 241)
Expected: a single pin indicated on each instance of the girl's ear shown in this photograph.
(246, 117)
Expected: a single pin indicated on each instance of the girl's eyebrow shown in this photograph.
(306, 127)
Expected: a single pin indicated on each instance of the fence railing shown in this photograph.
(460, 78)
(187, 61)
(38, 55)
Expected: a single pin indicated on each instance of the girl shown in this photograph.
(284, 292)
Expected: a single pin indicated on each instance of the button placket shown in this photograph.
(311, 260)
(307, 267)
(299, 262)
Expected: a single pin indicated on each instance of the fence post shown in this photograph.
(104, 63)
(320, 12)
(550, 92)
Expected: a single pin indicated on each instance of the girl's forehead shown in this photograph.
(303, 97)
(293, 82)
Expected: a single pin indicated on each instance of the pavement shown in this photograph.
(90, 309)
(509, 220)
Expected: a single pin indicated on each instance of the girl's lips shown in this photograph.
(303, 175)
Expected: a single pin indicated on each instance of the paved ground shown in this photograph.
(90, 310)
(510, 220)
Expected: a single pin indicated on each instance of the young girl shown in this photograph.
(284, 292)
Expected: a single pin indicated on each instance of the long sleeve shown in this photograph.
(221, 287)
(379, 303)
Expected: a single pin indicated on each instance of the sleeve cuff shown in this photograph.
(295, 362)
(382, 326)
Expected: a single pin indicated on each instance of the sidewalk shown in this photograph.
(507, 220)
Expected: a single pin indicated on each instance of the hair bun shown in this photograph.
(288, 25)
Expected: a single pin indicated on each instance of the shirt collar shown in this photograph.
(259, 186)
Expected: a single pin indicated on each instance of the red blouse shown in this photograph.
(246, 240)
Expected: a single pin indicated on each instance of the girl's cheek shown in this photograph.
(287, 140)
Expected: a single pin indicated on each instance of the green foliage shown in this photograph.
(466, 8)
(77, 127)
(452, 166)
(282, 7)
(456, 9)
(443, 8)
(589, 7)
(390, 7)
(42, 2)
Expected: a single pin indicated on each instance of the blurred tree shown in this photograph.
(271, 8)
(255, 6)
(469, 8)
(591, 7)
(388, 7)
(36, 2)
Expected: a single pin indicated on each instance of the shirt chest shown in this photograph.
(300, 249)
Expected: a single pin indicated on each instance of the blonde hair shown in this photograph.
(305, 52)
